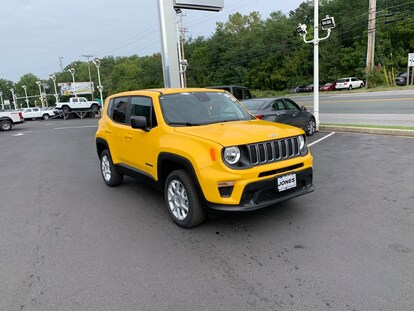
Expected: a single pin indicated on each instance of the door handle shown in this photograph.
(129, 137)
(108, 131)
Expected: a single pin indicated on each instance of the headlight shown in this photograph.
(301, 142)
(302, 145)
(231, 155)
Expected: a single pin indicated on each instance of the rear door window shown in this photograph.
(117, 109)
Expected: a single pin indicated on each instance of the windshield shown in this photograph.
(253, 104)
(201, 108)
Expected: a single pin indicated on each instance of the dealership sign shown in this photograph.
(204, 5)
(70, 88)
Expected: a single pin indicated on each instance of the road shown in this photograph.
(68, 242)
(379, 108)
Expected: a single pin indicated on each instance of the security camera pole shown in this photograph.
(327, 24)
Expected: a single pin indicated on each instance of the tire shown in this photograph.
(310, 127)
(95, 108)
(362, 85)
(45, 117)
(182, 200)
(65, 109)
(6, 125)
(108, 170)
(350, 88)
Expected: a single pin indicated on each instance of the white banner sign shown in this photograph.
(411, 60)
(70, 88)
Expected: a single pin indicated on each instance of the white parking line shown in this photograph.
(74, 127)
(319, 140)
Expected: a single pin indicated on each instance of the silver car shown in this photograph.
(349, 83)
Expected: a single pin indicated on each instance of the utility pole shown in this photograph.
(182, 60)
(60, 63)
(371, 37)
(89, 70)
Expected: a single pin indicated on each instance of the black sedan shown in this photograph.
(282, 110)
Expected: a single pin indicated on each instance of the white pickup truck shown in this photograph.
(39, 113)
(10, 118)
(78, 103)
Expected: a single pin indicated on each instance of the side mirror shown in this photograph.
(139, 122)
(303, 108)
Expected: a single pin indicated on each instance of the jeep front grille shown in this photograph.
(272, 151)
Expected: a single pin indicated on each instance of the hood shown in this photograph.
(241, 132)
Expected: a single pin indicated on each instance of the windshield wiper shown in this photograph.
(185, 123)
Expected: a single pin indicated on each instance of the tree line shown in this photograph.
(265, 54)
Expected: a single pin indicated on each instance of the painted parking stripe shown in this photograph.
(319, 140)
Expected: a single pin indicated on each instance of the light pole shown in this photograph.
(1, 97)
(97, 63)
(327, 24)
(89, 71)
(40, 92)
(45, 88)
(14, 98)
(25, 93)
(72, 72)
(53, 77)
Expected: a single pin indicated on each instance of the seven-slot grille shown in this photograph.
(271, 151)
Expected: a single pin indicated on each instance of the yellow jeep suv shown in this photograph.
(203, 149)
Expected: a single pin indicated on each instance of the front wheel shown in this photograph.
(182, 200)
(94, 108)
(45, 117)
(109, 173)
(310, 127)
(65, 109)
(6, 125)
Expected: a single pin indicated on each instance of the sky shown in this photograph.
(37, 34)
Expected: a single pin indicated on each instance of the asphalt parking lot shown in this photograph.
(68, 242)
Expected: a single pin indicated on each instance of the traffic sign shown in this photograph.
(411, 60)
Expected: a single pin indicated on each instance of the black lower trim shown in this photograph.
(264, 193)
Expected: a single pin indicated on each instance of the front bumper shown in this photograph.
(263, 193)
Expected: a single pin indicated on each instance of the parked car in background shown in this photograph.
(282, 110)
(240, 92)
(330, 86)
(298, 89)
(401, 79)
(38, 113)
(308, 88)
(10, 118)
(349, 83)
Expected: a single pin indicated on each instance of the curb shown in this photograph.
(367, 130)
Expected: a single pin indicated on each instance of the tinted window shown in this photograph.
(117, 109)
(291, 105)
(278, 105)
(142, 106)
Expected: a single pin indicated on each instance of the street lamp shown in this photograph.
(25, 93)
(72, 72)
(2, 103)
(53, 77)
(97, 63)
(14, 98)
(40, 92)
(327, 24)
